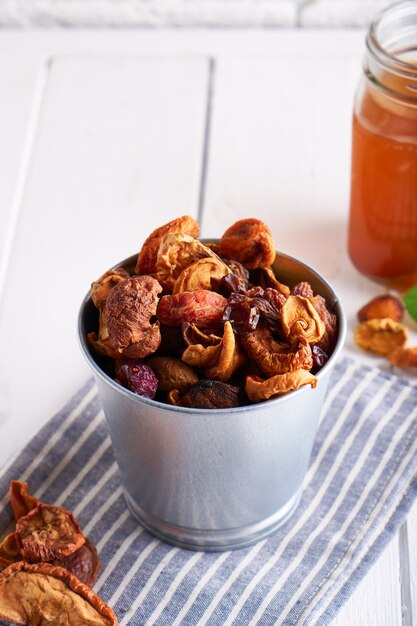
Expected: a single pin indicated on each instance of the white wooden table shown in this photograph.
(106, 135)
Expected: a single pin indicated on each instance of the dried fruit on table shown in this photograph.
(299, 317)
(195, 307)
(48, 532)
(44, 594)
(273, 357)
(403, 357)
(137, 376)
(258, 389)
(172, 373)
(250, 242)
(21, 499)
(130, 307)
(83, 563)
(206, 273)
(381, 336)
(213, 394)
(146, 263)
(176, 253)
(382, 307)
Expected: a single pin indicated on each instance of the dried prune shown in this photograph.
(172, 373)
(138, 377)
(195, 307)
(213, 394)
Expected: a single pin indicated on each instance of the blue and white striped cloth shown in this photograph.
(360, 485)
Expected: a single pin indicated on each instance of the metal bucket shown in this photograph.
(214, 479)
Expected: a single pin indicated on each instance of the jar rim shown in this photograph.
(391, 36)
(373, 40)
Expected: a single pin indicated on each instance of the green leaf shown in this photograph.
(410, 301)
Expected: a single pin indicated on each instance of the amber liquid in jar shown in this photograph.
(383, 199)
(383, 209)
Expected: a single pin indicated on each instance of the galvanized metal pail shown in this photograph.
(214, 479)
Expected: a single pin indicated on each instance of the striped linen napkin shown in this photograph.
(360, 485)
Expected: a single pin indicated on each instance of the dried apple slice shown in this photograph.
(47, 595)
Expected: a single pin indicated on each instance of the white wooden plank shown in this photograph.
(411, 536)
(280, 151)
(117, 152)
(375, 602)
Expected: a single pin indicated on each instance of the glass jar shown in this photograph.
(383, 202)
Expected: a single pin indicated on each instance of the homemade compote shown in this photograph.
(383, 204)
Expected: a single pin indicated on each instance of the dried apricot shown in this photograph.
(381, 336)
(250, 242)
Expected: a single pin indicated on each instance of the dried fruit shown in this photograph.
(303, 289)
(250, 242)
(213, 394)
(21, 499)
(299, 317)
(327, 342)
(148, 255)
(206, 273)
(267, 279)
(83, 563)
(172, 373)
(382, 307)
(42, 594)
(48, 532)
(199, 307)
(320, 357)
(193, 334)
(231, 357)
(176, 253)
(273, 357)
(403, 357)
(137, 376)
(245, 310)
(381, 336)
(101, 288)
(9, 551)
(130, 307)
(258, 389)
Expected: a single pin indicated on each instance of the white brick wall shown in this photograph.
(100, 13)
